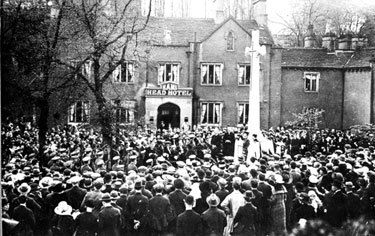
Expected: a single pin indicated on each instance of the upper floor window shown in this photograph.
(311, 81)
(210, 113)
(79, 112)
(211, 73)
(124, 73)
(230, 41)
(244, 72)
(168, 72)
(86, 69)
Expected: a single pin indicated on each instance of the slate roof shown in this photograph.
(313, 57)
(321, 58)
(361, 58)
(185, 30)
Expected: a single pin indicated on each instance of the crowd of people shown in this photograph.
(206, 181)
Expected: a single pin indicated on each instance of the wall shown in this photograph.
(329, 97)
(357, 98)
(275, 88)
(214, 50)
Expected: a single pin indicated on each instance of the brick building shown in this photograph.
(197, 72)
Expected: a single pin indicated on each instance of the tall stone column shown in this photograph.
(254, 93)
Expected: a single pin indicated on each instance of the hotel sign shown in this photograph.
(169, 89)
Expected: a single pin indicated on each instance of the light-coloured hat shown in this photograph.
(63, 209)
(86, 158)
(24, 188)
(213, 200)
(279, 179)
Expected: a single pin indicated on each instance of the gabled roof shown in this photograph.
(185, 30)
(313, 57)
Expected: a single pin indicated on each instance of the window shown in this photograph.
(124, 73)
(122, 112)
(230, 41)
(311, 81)
(168, 72)
(210, 113)
(79, 112)
(86, 69)
(244, 72)
(243, 113)
(211, 73)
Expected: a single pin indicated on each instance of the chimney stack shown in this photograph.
(260, 12)
(310, 41)
(329, 41)
(219, 17)
(345, 42)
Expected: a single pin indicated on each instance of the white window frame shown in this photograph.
(126, 68)
(228, 39)
(72, 112)
(242, 72)
(211, 107)
(217, 80)
(308, 78)
(174, 72)
(243, 112)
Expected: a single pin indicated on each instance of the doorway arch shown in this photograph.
(168, 115)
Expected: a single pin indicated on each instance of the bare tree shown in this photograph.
(32, 37)
(105, 37)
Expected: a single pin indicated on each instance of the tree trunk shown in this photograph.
(43, 126)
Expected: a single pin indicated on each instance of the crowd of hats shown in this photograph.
(73, 155)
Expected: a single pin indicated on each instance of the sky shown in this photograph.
(282, 8)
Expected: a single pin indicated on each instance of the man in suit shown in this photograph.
(75, 194)
(336, 205)
(109, 218)
(305, 210)
(189, 222)
(159, 210)
(266, 190)
(213, 219)
(177, 198)
(25, 217)
(368, 199)
(354, 201)
(246, 216)
(137, 209)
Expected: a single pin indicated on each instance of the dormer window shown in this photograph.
(230, 41)
(167, 37)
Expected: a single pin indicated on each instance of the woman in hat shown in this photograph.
(63, 222)
(245, 220)
(278, 208)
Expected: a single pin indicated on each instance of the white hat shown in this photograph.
(279, 179)
(63, 209)
(313, 179)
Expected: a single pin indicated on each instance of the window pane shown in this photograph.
(230, 41)
(210, 113)
(210, 74)
(168, 69)
(204, 74)
(241, 75)
(248, 73)
(79, 112)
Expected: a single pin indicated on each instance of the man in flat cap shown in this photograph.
(137, 209)
(75, 194)
(160, 208)
(109, 218)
